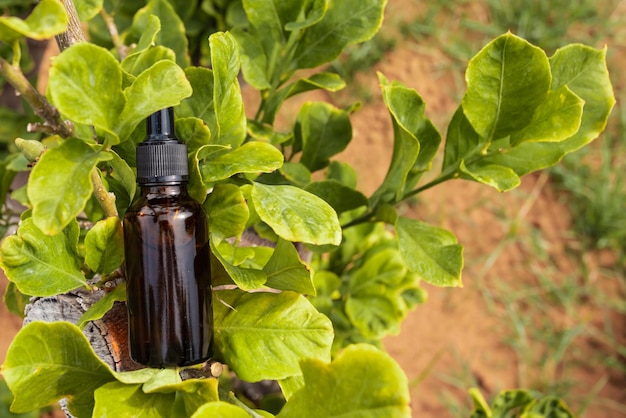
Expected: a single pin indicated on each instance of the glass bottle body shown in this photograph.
(168, 276)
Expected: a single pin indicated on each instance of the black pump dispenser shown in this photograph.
(161, 158)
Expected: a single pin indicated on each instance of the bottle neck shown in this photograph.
(171, 189)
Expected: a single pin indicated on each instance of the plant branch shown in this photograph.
(42, 108)
(106, 199)
(122, 50)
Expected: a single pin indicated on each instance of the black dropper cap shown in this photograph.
(161, 157)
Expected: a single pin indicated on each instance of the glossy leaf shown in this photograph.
(266, 335)
(227, 210)
(296, 215)
(342, 25)
(139, 62)
(220, 410)
(329, 389)
(86, 86)
(555, 119)
(432, 253)
(323, 131)
(286, 271)
(230, 116)
(341, 198)
(194, 132)
(252, 157)
(87, 9)
(584, 71)
(462, 142)
(173, 38)
(60, 184)
(245, 278)
(296, 174)
(104, 305)
(500, 178)
(253, 59)
(324, 81)
(42, 265)
(506, 81)
(162, 85)
(50, 361)
(47, 19)
(104, 246)
(200, 104)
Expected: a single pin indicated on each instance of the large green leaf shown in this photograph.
(227, 210)
(416, 140)
(245, 278)
(286, 271)
(86, 86)
(323, 131)
(342, 25)
(60, 184)
(432, 253)
(341, 198)
(506, 81)
(375, 304)
(361, 382)
(47, 19)
(220, 410)
(173, 38)
(87, 9)
(228, 103)
(137, 63)
(160, 86)
(253, 59)
(42, 265)
(104, 246)
(200, 104)
(50, 361)
(194, 132)
(296, 215)
(266, 335)
(584, 71)
(251, 157)
(179, 400)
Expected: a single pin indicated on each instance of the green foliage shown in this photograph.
(518, 403)
(522, 112)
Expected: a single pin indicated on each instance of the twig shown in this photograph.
(122, 50)
(42, 108)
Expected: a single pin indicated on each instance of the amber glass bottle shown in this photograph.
(167, 256)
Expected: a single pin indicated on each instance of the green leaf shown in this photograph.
(432, 253)
(548, 407)
(87, 9)
(121, 181)
(584, 71)
(173, 38)
(104, 246)
(341, 198)
(506, 81)
(499, 177)
(194, 132)
(50, 361)
(324, 81)
(342, 25)
(253, 59)
(198, 189)
(362, 381)
(220, 410)
(160, 86)
(60, 184)
(266, 335)
(47, 19)
(296, 215)
(228, 103)
(554, 120)
(375, 304)
(462, 142)
(14, 300)
(6, 398)
(251, 157)
(137, 63)
(323, 131)
(244, 278)
(227, 211)
(315, 14)
(42, 265)
(343, 173)
(86, 86)
(296, 173)
(286, 271)
(104, 305)
(200, 104)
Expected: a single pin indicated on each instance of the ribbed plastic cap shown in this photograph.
(161, 158)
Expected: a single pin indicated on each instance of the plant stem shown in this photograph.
(443, 177)
(106, 200)
(122, 50)
(42, 108)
